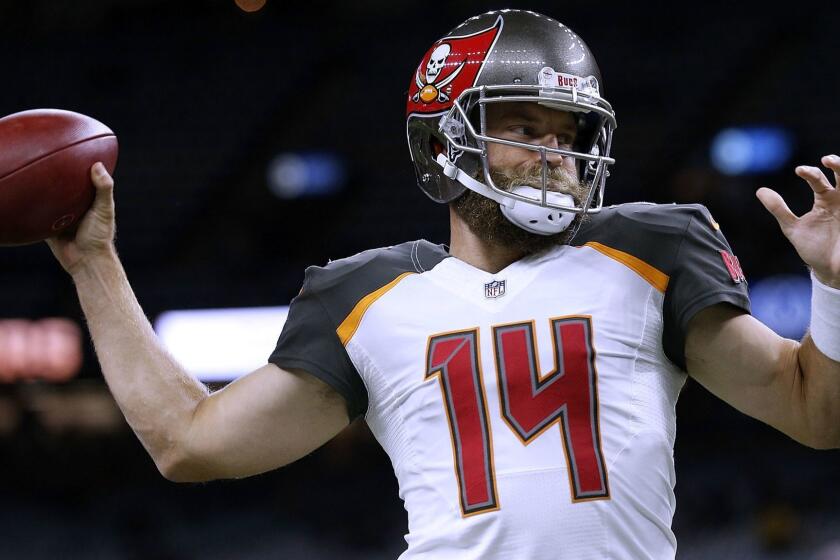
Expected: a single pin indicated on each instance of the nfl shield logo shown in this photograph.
(494, 289)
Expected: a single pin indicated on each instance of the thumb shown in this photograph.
(775, 204)
(104, 185)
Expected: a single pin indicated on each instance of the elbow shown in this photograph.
(180, 467)
(179, 475)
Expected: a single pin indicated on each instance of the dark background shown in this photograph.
(203, 95)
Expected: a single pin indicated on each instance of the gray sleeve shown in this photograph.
(699, 278)
(309, 342)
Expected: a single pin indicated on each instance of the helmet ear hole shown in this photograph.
(437, 147)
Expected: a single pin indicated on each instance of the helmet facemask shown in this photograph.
(537, 209)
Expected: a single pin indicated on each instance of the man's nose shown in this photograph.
(552, 158)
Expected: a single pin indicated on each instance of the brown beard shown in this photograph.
(485, 218)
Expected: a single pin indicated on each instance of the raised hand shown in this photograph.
(95, 234)
(816, 234)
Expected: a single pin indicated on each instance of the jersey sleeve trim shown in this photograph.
(652, 275)
(350, 324)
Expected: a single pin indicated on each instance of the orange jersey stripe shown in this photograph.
(348, 326)
(654, 276)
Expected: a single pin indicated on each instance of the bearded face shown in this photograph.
(485, 218)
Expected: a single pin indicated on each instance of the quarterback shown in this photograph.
(523, 380)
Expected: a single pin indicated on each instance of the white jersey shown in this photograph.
(528, 413)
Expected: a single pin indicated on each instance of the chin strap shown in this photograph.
(529, 216)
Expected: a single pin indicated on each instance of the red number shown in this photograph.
(530, 404)
(568, 395)
(453, 358)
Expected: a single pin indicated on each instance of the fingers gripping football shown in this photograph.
(95, 234)
(97, 228)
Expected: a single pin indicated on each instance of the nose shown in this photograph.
(552, 158)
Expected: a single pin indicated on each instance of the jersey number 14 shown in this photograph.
(530, 404)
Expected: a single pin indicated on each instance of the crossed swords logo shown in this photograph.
(428, 90)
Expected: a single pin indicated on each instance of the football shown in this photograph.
(45, 161)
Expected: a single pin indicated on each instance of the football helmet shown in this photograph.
(501, 57)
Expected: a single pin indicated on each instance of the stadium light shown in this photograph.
(221, 344)
(783, 303)
(750, 150)
(310, 174)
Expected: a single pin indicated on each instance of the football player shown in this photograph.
(523, 380)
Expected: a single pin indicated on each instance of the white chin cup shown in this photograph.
(530, 217)
(536, 219)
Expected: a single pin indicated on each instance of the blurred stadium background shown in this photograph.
(255, 144)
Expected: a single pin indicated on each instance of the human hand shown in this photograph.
(95, 234)
(815, 235)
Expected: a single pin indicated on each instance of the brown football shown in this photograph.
(45, 161)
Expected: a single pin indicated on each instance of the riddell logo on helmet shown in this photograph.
(451, 66)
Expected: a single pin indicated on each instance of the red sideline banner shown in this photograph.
(49, 349)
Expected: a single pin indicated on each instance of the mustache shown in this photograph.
(557, 180)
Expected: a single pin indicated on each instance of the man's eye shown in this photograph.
(522, 130)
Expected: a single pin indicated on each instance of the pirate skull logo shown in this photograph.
(436, 61)
(429, 91)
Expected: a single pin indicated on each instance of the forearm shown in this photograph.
(156, 395)
(818, 362)
(818, 384)
(789, 385)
